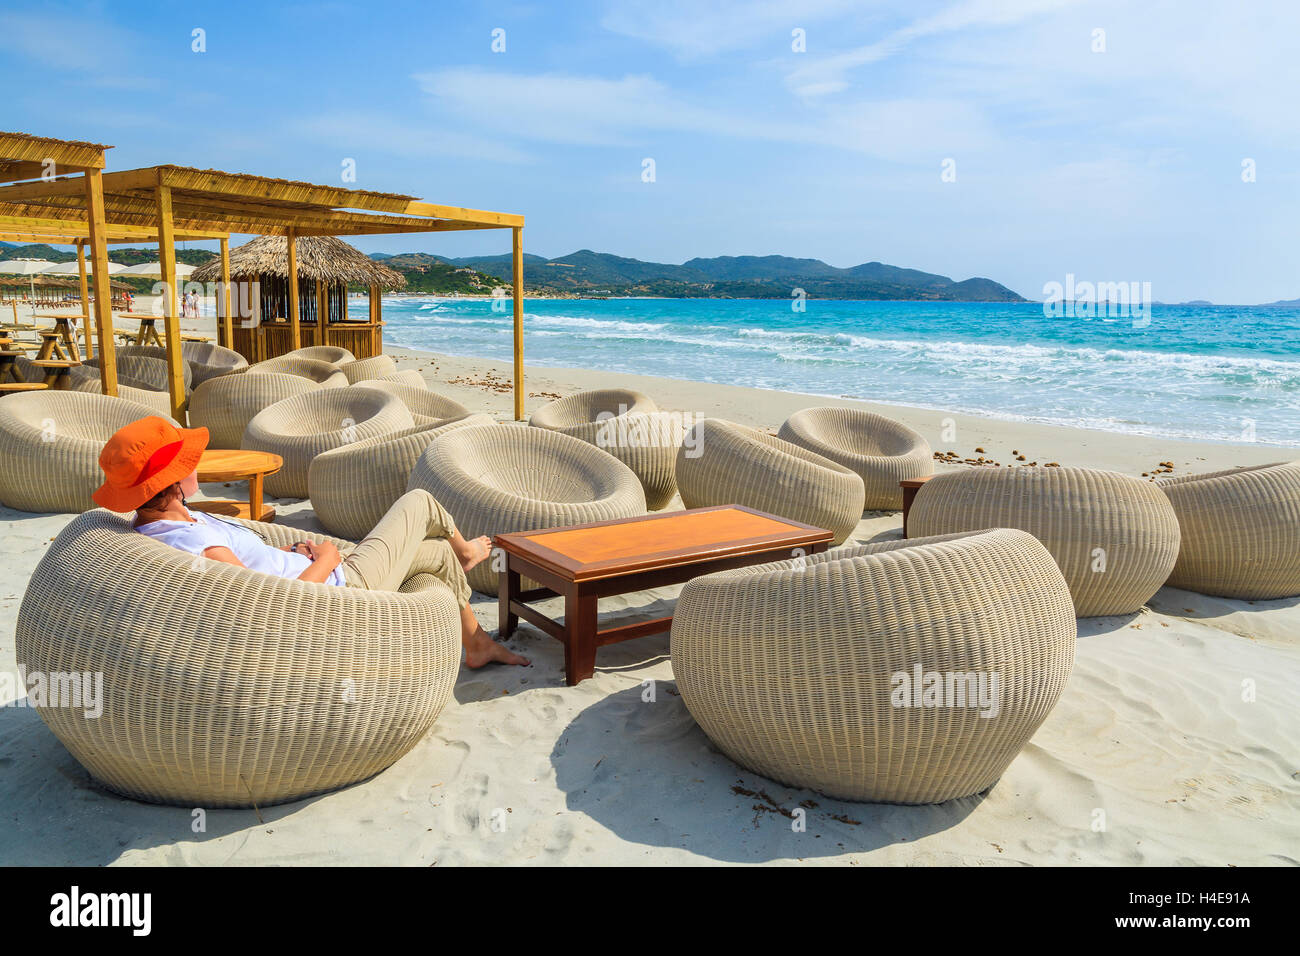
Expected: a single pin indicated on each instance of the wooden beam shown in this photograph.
(85, 296)
(171, 322)
(461, 214)
(517, 254)
(294, 334)
(227, 321)
(75, 228)
(103, 303)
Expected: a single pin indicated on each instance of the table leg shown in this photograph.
(580, 629)
(255, 497)
(909, 495)
(507, 591)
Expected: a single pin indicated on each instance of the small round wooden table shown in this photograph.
(237, 464)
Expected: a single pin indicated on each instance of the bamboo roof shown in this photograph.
(325, 258)
(208, 199)
(23, 156)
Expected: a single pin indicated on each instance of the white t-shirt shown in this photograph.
(195, 537)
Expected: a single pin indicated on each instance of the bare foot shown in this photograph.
(480, 649)
(474, 551)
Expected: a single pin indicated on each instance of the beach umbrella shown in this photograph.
(153, 270)
(71, 269)
(26, 267)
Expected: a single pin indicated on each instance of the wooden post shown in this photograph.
(322, 312)
(518, 255)
(376, 301)
(293, 290)
(167, 266)
(85, 297)
(227, 323)
(99, 262)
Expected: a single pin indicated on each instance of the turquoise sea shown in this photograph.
(1208, 372)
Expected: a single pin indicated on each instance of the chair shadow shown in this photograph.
(643, 769)
(1195, 606)
(69, 819)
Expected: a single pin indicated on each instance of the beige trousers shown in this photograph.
(412, 537)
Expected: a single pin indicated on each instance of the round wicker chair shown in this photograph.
(300, 428)
(204, 359)
(628, 425)
(811, 671)
(1240, 531)
(226, 404)
(722, 463)
(208, 361)
(85, 379)
(407, 376)
(331, 354)
(352, 486)
(224, 687)
(146, 365)
(377, 366)
(50, 443)
(1115, 538)
(321, 373)
(426, 407)
(501, 478)
(582, 408)
(882, 451)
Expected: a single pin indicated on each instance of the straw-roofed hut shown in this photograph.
(326, 268)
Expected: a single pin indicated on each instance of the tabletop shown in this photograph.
(231, 464)
(660, 540)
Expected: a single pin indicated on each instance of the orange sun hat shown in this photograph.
(143, 458)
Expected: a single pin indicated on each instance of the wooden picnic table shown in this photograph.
(11, 379)
(586, 562)
(238, 464)
(63, 327)
(148, 333)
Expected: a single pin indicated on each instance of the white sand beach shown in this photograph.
(1174, 743)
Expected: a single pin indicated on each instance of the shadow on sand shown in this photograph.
(646, 771)
(67, 819)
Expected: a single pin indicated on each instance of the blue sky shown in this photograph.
(1122, 165)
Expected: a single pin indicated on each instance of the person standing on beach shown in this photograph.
(150, 467)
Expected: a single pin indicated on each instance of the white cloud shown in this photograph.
(583, 110)
(823, 75)
(693, 30)
(365, 131)
(71, 42)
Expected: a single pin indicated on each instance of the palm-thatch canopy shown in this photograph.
(324, 258)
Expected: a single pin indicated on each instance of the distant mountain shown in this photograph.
(1287, 303)
(126, 257)
(587, 272)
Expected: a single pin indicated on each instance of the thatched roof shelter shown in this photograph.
(324, 258)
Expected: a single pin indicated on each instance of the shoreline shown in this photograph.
(767, 408)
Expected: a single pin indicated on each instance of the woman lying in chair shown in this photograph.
(150, 467)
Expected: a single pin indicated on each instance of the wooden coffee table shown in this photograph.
(586, 562)
(237, 464)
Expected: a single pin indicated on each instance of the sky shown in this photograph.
(1021, 140)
